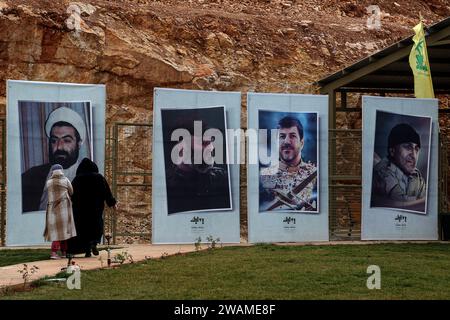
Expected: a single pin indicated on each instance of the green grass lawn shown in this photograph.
(408, 271)
(15, 256)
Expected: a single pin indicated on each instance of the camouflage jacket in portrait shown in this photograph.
(390, 181)
(285, 178)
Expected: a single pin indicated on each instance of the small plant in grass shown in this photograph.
(212, 243)
(122, 257)
(27, 272)
(198, 244)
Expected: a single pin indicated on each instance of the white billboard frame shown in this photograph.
(379, 223)
(284, 226)
(27, 229)
(187, 227)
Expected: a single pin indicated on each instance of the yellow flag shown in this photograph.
(420, 65)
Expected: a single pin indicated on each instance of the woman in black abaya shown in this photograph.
(90, 192)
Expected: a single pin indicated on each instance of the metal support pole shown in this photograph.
(343, 99)
(331, 157)
(114, 177)
(3, 185)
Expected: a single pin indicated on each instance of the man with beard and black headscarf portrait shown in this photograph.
(66, 132)
(191, 185)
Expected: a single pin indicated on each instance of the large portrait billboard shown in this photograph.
(401, 159)
(47, 123)
(291, 182)
(193, 183)
(51, 133)
(195, 175)
(287, 167)
(399, 169)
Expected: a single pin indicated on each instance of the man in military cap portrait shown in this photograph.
(396, 180)
(66, 133)
(291, 183)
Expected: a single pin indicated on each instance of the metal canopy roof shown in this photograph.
(388, 70)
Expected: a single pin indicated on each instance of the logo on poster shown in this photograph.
(197, 220)
(197, 224)
(289, 223)
(400, 221)
(289, 220)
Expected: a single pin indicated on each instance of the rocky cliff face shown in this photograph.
(133, 46)
(136, 45)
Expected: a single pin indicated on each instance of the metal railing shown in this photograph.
(129, 169)
(345, 185)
